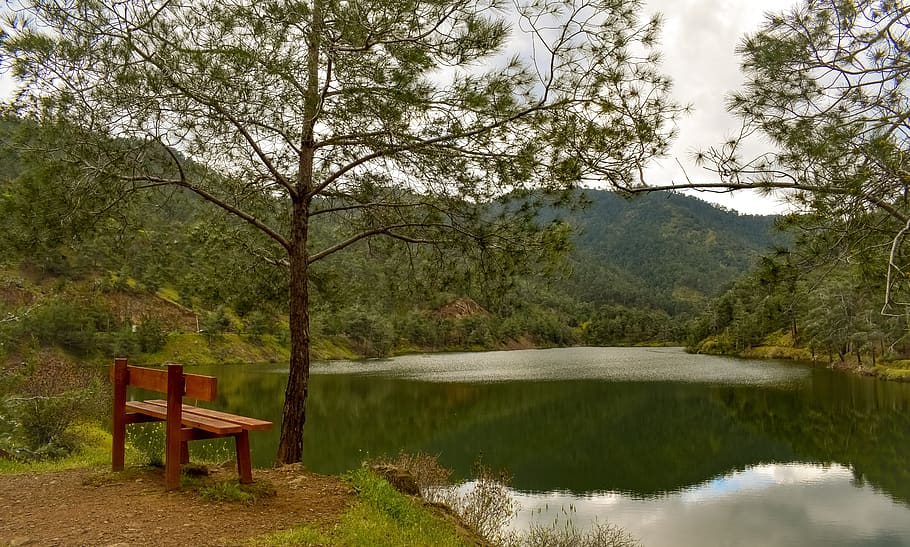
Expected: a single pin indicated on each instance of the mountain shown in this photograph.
(638, 270)
(665, 251)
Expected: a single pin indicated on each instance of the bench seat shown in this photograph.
(157, 408)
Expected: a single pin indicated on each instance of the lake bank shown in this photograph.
(782, 348)
(79, 501)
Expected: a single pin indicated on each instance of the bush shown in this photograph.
(258, 323)
(487, 507)
(151, 336)
(45, 400)
(122, 342)
(65, 325)
(600, 535)
(372, 334)
(216, 322)
(485, 504)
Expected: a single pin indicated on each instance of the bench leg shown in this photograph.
(184, 452)
(244, 466)
(118, 445)
(118, 441)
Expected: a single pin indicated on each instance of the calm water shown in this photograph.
(679, 449)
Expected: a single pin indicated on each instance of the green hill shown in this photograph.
(638, 270)
(664, 251)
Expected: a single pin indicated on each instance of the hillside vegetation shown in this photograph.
(165, 278)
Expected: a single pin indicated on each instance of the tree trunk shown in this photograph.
(290, 445)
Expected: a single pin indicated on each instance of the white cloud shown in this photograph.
(776, 504)
(698, 45)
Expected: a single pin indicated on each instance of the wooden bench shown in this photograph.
(184, 422)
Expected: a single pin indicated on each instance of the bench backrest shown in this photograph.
(195, 386)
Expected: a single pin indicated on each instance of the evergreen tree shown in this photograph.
(393, 119)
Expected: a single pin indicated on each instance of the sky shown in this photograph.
(698, 42)
(698, 47)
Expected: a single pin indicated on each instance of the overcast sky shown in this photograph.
(698, 42)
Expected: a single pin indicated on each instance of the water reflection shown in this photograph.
(663, 441)
(780, 504)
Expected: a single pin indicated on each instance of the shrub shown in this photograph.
(484, 504)
(487, 506)
(216, 322)
(432, 478)
(555, 535)
(47, 398)
(65, 325)
(151, 336)
(122, 342)
(231, 491)
(257, 324)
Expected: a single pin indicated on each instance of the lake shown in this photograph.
(678, 449)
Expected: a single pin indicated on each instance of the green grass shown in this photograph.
(303, 536)
(889, 372)
(232, 491)
(380, 517)
(168, 293)
(196, 349)
(94, 451)
(383, 516)
(332, 348)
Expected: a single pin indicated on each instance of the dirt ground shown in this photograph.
(63, 508)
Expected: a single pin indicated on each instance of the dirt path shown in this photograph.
(59, 509)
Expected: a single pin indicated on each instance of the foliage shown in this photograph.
(567, 535)
(93, 449)
(216, 322)
(151, 335)
(68, 325)
(45, 396)
(487, 505)
(825, 292)
(826, 84)
(385, 517)
(381, 299)
(297, 115)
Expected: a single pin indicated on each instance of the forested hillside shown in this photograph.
(822, 299)
(135, 278)
(663, 251)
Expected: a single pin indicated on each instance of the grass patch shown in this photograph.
(330, 348)
(888, 372)
(380, 517)
(197, 349)
(385, 517)
(304, 536)
(168, 293)
(231, 491)
(94, 450)
(114, 477)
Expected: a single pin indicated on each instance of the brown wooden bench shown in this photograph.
(184, 422)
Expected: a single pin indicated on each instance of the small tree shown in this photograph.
(390, 119)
